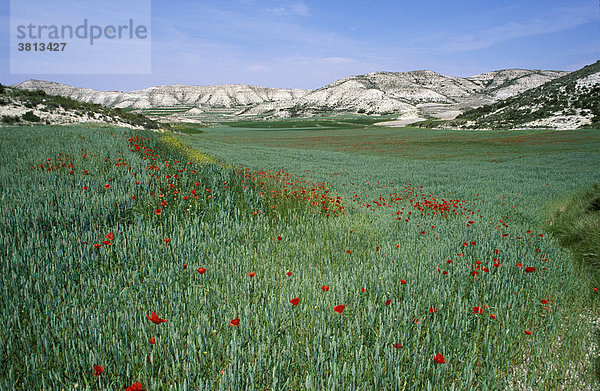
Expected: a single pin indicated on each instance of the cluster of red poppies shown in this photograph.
(280, 184)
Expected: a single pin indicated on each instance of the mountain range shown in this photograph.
(409, 96)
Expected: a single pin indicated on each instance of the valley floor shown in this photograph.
(299, 257)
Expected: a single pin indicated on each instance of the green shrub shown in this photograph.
(10, 119)
(29, 116)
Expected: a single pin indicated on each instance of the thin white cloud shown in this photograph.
(291, 8)
(301, 9)
(338, 60)
(231, 29)
(562, 19)
(257, 68)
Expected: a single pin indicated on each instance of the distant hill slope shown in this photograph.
(23, 107)
(569, 102)
(229, 95)
(410, 94)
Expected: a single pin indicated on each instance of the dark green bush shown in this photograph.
(29, 116)
(10, 119)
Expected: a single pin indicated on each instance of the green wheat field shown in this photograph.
(329, 254)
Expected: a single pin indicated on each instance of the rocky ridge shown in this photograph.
(411, 95)
(568, 102)
(23, 107)
(229, 95)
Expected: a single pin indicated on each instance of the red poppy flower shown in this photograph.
(167, 240)
(251, 274)
(234, 322)
(527, 332)
(155, 319)
(397, 345)
(431, 310)
(201, 270)
(544, 301)
(106, 243)
(279, 238)
(519, 264)
(97, 246)
(148, 359)
(184, 266)
(110, 236)
(530, 269)
(135, 387)
(295, 301)
(439, 359)
(349, 251)
(402, 282)
(107, 186)
(492, 316)
(132, 197)
(477, 310)
(152, 341)
(289, 274)
(98, 369)
(84, 188)
(158, 211)
(388, 302)
(325, 288)
(339, 308)
(362, 290)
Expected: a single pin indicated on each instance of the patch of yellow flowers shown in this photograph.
(194, 155)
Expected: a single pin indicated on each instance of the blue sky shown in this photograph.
(308, 44)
